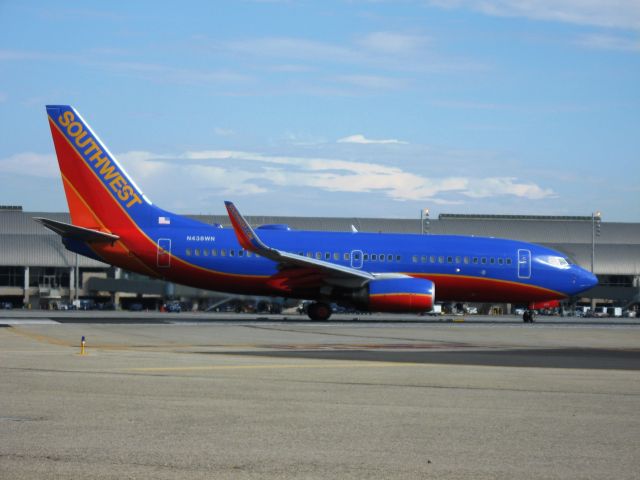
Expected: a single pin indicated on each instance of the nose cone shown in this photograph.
(584, 280)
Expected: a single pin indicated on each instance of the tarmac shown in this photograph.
(224, 396)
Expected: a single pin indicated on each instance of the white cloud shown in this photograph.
(223, 132)
(393, 43)
(363, 48)
(602, 13)
(488, 187)
(290, 48)
(21, 55)
(609, 42)
(29, 163)
(382, 50)
(361, 139)
(376, 61)
(144, 165)
(166, 73)
(232, 172)
(375, 82)
(151, 71)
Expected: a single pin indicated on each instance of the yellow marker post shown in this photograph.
(82, 346)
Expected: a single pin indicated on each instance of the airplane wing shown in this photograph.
(332, 272)
(67, 230)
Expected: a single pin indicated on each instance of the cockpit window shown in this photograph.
(555, 261)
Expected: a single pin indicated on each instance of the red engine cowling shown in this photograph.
(544, 305)
(400, 295)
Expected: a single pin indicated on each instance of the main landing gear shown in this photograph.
(319, 311)
(528, 316)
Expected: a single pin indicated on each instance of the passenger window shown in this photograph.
(414, 259)
(483, 260)
(508, 261)
(336, 256)
(327, 256)
(423, 259)
(389, 258)
(197, 252)
(449, 259)
(475, 260)
(205, 252)
(432, 259)
(466, 260)
(309, 254)
(232, 252)
(458, 259)
(398, 258)
(500, 261)
(492, 260)
(241, 253)
(381, 257)
(223, 253)
(365, 257)
(188, 252)
(374, 257)
(346, 256)
(214, 252)
(249, 253)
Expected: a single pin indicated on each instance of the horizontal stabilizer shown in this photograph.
(66, 230)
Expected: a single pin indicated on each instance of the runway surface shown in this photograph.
(193, 397)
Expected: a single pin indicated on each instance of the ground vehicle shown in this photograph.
(173, 307)
(583, 311)
(614, 311)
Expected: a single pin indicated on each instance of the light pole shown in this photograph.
(596, 220)
(424, 221)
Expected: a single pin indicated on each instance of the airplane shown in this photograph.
(114, 222)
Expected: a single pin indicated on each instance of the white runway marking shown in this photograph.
(28, 321)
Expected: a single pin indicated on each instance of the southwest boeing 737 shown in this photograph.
(112, 221)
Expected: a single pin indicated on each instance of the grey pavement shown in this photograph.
(224, 400)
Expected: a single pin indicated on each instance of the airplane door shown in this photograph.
(164, 253)
(524, 263)
(356, 258)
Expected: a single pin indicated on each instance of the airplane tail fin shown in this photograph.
(100, 194)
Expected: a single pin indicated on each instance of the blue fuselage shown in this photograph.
(463, 268)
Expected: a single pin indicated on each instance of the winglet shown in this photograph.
(250, 241)
(246, 236)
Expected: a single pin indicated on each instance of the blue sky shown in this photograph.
(334, 108)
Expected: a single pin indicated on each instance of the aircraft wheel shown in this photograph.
(319, 311)
(527, 317)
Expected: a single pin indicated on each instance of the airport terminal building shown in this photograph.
(36, 271)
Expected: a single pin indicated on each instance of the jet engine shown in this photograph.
(397, 295)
